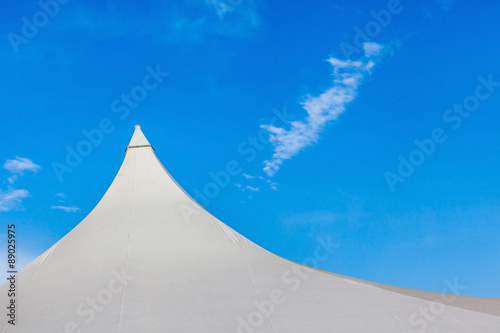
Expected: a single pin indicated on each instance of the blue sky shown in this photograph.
(372, 123)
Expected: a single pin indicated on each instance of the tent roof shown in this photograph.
(148, 258)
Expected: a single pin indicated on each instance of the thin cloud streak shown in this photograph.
(257, 180)
(71, 209)
(347, 77)
(253, 189)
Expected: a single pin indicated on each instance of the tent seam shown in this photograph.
(128, 245)
(255, 287)
(387, 309)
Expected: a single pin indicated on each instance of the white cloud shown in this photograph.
(71, 209)
(347, 77)
(248, 176)
(253, 189)
(12, 179)
(12, 199)
(21, 164)
(372, 49)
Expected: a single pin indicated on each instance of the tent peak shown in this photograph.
(138, 139)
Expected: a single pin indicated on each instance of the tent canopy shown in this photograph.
(148, 258)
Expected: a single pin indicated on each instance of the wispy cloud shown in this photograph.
(257, 182)
(61, 197)
(221, 7)
(244, 11)
(71, 209)
(12, 179)
(67, 209)
(347, 77)
(270, 183)
(21, 164)
(253, 189)
(11, 199)
(164, 21)
(445, 4)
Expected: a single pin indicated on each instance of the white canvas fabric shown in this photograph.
(148, 258)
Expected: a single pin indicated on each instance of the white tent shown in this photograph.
(148, 258)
